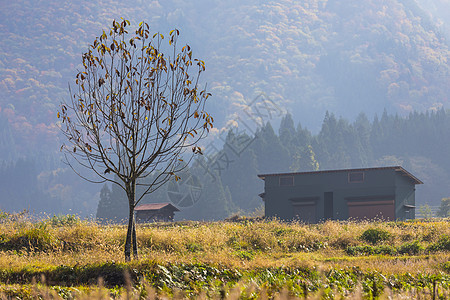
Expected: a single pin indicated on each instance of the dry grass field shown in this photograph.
(64, 257)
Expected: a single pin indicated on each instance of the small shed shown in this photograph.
(155, 212)
(386, 193)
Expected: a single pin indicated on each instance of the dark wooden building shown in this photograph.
(372, 193)
(155, 212)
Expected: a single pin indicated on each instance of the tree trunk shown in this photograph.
(131, 231)
(135, 248)
(129, 234)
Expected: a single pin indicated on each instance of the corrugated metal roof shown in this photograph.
(155, 206)
(396, 168)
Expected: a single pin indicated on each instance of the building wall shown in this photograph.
(378, 185)
(162, 215)
(405, 194)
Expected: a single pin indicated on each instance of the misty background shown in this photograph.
(322, 84)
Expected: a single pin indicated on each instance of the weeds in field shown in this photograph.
(202, 281)
(243, 259)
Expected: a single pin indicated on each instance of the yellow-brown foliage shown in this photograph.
(247, 245)
(244, 244)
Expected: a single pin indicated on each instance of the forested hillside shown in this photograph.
(346, 57)
(439, 11)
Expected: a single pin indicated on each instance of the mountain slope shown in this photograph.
(319, 55)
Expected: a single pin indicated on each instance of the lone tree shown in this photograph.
(136, 109)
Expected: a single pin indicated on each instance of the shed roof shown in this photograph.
(155, 206)
(399, 169)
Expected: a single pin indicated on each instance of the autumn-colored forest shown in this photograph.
(309, 57)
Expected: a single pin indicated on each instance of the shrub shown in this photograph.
(442, 244)
(375, 235)
(386, 250)
(359, 250)
(36, 237)
(411, 248)
(64, 220)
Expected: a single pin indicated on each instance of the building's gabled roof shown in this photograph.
(399, 169)
(155, 206)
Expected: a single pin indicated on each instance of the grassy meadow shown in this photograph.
(65, 258)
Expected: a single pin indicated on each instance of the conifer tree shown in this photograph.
(239, 176)
(331, 149)
(104, 208)
(363, 128)
(287, 132)
(271, 155)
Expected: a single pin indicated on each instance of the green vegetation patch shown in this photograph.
(442, 244)
(411, 248)
(111, 273)
(195, 279)
(371, 250)
(36, 237)
(375, 235)
(64, 220)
